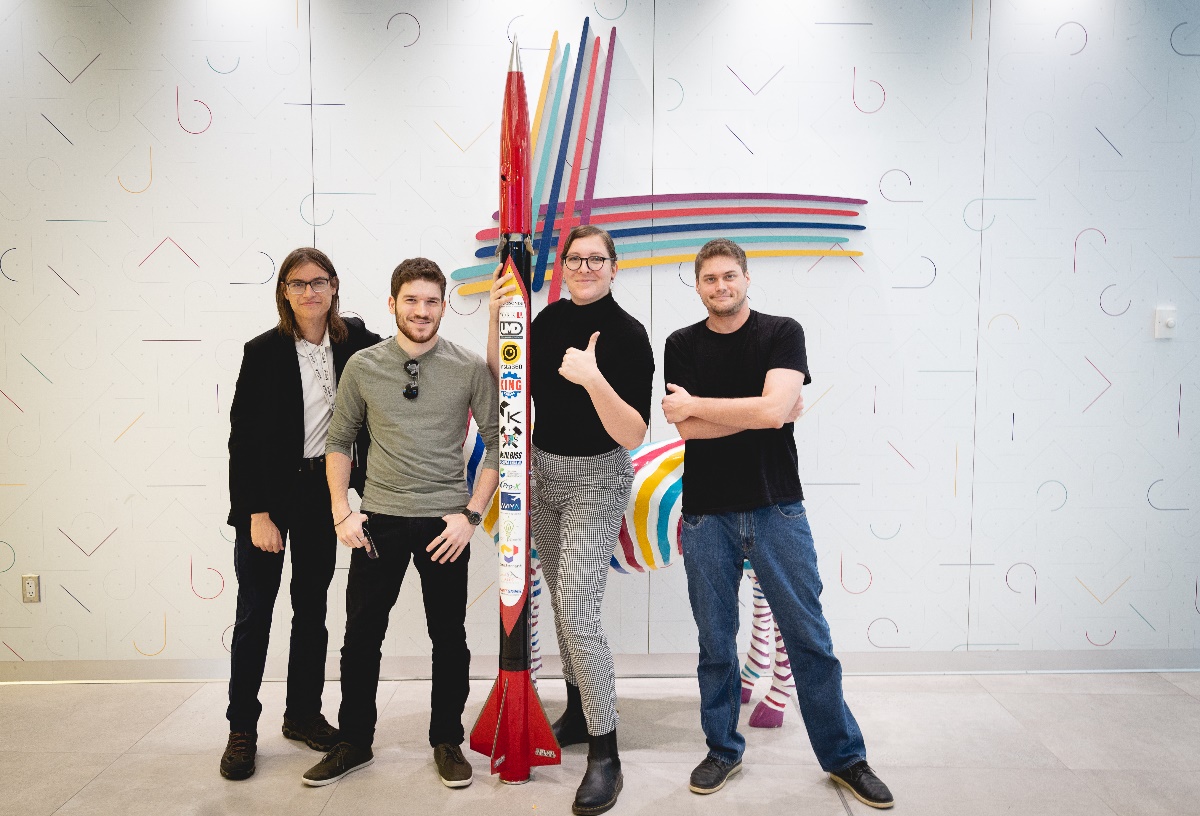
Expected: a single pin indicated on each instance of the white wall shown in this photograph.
(1004, 423)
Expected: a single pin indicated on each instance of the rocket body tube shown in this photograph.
(512, 727)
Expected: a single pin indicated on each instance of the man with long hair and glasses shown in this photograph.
(415, 393)
(277, 493)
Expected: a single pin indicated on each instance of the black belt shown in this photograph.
(315, 463)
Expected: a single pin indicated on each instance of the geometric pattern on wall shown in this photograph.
(997, 453)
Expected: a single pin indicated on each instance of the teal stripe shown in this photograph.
(669, 497)
(545, 146)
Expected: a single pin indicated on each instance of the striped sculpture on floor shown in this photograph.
(767, 654)
(649, 540)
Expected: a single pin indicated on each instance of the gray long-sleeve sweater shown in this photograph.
(415, 466)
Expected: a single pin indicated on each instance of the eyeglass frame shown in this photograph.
(325, 284)
(580, 261)
(413, 389)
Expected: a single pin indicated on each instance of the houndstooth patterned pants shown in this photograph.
(578, 502)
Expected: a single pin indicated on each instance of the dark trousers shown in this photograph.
(307, 529)
(371, 592)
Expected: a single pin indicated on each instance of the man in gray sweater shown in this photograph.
(414, 393)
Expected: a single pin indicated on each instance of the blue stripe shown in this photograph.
(708, 226)
(539, 275)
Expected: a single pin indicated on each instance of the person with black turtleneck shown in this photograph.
(591, 368)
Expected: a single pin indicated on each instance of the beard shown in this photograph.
(433, 326)
(728, 309)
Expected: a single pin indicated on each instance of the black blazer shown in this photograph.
(266, 434)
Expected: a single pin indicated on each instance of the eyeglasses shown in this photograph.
(297, 287)
(594, 262)
(413, 388)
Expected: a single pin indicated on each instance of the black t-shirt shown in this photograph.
(567, 423)
(751, 468)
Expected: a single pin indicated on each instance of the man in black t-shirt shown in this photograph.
(734, 386)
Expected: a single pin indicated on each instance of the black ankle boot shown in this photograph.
(602, 781)
(571, 727)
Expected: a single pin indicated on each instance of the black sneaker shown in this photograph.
(867, 788)
(343, 759)
(315, 732)
(453, 769)
(711, 774)
(238, 760)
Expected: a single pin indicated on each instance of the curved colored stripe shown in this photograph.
(627, 547)
(649, 246)
(713, 226)
(541, 103)
(665, 198)
(659, 260)
(573, 184)
(468, 272)
(585, 210)
(543, 149)
(493, 233)
(653, 450)
(665, 503)
(641, 507)
(543, 244)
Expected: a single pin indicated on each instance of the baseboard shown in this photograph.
(627, 665)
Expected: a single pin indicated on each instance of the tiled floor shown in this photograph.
(1095, 744)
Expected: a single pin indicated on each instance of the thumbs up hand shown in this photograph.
(579, 366)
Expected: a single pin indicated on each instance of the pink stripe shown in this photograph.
(663, 198)
(654, 454)
(627, 547)
(589, 190)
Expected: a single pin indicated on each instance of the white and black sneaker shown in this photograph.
(343, 759)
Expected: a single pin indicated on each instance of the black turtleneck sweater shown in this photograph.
(566, 422)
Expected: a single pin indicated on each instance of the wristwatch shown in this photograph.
(472, 516)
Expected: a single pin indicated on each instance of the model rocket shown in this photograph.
(512, 728)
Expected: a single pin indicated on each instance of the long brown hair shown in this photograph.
(287, 318)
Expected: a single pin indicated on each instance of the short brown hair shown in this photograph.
(417, 269)
(587, 231)
(720, 248)
(287, 318)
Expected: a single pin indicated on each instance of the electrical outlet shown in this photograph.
(31, 588)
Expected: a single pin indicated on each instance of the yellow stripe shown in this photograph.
(486, 284)
(537, 117)
(641, 508)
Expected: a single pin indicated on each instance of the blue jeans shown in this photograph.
(778, 543)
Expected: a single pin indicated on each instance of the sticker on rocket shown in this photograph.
(510, 502)
(510, 353)
(512, 328)
(512, 561)
(511, 385)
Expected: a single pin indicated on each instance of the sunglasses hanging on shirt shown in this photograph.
(413, 368)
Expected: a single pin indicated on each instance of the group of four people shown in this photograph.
(319, 389)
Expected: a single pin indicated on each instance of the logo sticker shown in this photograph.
(510, 502)
(511, 385)
(511, 328)
(510, 352)
(509, 552)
